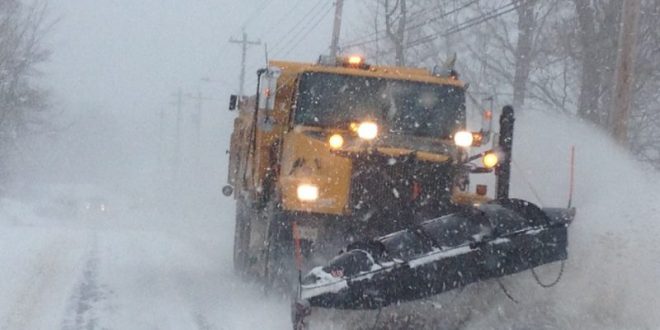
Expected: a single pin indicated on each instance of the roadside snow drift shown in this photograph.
(611, 277)
(173, 270)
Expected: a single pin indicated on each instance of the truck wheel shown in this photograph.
(280, 264)
(241, 237)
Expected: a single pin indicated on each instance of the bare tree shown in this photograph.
(387, 30)
(22, 101)
(516, 55)
(556, 55)
(644, 132)
(598, 27)
(395, 27)
(524, 48)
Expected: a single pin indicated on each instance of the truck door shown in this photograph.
(264, 138)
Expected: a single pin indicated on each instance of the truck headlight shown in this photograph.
(463, 139)
(367, 130)
(490, 160)
(336, 141)
(308, 192)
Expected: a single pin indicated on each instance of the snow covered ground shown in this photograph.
(139, 268)
(128, 270)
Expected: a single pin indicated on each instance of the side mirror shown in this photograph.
(233, 102)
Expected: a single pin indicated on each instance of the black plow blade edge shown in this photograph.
(482, 242)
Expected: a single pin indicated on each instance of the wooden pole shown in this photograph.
(625, 72)
(244, 42)
(334, 44)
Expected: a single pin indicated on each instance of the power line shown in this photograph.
(466, 24)
(298, 24)
(302, 29)
(365, 39)
(316, 24)
(280, 20)
(357, 42)
(286, 15)
(260, 7)
(451, 12)
(463, 25)
(310, 24)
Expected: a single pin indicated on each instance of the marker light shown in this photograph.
(367, 130)
(490, 159)
(336, 141)
(477, 138)
(482, 189)
(463, 139)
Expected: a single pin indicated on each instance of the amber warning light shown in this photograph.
(355, 60)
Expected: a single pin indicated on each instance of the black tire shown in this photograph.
(241, 237)
(280, 272)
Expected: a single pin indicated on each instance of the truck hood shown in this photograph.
(429, 149)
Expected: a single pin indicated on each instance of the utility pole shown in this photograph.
(197, 124)
(334, 44)
(377, 59)
(196, 117)
(244, 44)
(625, 69)
(161, 128)
(177, 141)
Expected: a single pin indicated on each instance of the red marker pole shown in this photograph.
(296, 246)
(571, 177)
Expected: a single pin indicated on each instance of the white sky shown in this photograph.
(129, 56)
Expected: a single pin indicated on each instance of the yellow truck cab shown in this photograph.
(341, 150)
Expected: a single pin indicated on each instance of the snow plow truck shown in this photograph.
(359, 175)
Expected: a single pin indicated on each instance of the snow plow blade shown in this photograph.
(479, 243)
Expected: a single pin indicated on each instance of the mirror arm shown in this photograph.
(481, 170)
(477, 156)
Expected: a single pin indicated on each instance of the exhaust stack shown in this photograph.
(503, 170)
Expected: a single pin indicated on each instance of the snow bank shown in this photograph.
(158, 269)
(611, 278)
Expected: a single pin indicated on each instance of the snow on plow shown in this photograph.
(482, 242)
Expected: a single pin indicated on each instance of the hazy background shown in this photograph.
(114, 72)
(162, 256)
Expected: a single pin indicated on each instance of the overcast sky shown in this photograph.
(116, 64)
(129, 56)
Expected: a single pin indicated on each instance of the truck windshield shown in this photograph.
(401, 106)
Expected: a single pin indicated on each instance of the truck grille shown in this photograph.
(391, 193)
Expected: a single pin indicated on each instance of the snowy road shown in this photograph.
(40, 270)
(150, 270)
(113, 274)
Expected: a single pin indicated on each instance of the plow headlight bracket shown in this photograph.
(463, 139)
(307, 192)
(367, 130)
(490, 159)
